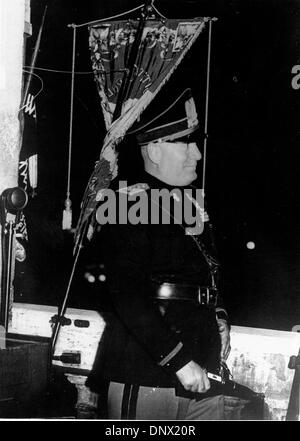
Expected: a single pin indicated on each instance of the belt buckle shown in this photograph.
(205, 298)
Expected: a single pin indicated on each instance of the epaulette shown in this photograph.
(134, 189)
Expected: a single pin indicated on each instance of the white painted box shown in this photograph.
(81, 332)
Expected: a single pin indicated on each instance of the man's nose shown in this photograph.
(194, 151)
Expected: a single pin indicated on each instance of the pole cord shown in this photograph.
(156, 10)
(107, 18)
(206, 107)
(71, 112)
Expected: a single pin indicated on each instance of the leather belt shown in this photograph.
(177, 291)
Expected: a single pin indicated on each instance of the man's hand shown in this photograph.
(225, 339)
(193, 378)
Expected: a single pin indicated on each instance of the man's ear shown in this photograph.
(154, 152)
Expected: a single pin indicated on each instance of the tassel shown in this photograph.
(33, 173)
(67, 215)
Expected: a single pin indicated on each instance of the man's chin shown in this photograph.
(191, 177)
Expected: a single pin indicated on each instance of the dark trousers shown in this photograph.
(133, 402)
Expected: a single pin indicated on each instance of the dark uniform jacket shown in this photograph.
(141, 344)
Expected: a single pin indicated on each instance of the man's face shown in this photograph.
(178, 161)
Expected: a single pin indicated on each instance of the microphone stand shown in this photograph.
(13, 200)
(7, 273)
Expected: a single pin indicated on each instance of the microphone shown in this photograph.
(14, 199)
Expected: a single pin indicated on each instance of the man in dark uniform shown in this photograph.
(168, 327)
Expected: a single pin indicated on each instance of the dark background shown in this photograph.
(252, 165)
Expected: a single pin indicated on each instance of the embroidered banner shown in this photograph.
(126, 88)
